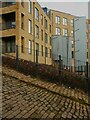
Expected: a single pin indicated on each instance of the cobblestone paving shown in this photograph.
(23, 100)
(60, 89)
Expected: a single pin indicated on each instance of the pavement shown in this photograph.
(26, 97)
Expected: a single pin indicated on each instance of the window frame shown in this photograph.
(57, 19)
(36, 14)
(58, 31)
(30, 47)
(29, 26)
(36, 31)
(65, 21)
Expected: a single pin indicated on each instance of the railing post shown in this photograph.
(86, 70)
(36, 62)
(59, 63)
(36, 57)
(17, 57)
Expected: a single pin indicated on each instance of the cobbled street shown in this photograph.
(23, 100)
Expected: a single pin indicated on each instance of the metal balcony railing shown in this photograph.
(7, 4)
(7, 25)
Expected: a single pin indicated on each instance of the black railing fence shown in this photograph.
(30, 62)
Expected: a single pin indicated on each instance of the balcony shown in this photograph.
(7, 4)
(7, 25)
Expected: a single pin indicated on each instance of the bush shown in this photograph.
(48, 72)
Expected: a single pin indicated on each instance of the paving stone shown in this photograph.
(21, 100)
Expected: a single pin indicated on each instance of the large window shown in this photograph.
(22, 21)
(22, 44)
(46, 52)
(36, 31)
(57, 31)
(36, 14)
(57, 20)
(37, 48)
(45, 23)
(71, 32)
(72, 22)
(42, 19)
(65, 32)
(42, 49)
(65, 21)
(29, 6)
(29, 26)
(50, 28)
(72, 54)
(30, 46)
(42, 35)
(50, 53)
(50, 41)
(46, 38)
(22, 3)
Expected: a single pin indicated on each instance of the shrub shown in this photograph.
(48, 72)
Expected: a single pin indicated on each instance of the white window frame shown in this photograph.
(72, 22)
(71, 32)
(36, 31)
(57, 19)
(36, 14)
(65, 21)
(57, 31)
(65, 32)
(41, 19)
(30, 47)
(29, 6)
(29, 26)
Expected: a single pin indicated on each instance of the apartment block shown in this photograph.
(63, 25)
(25, 24)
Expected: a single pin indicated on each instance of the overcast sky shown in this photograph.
(76, 7)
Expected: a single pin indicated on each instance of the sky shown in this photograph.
(74, 7)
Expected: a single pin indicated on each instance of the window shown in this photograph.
(72, 22)
(36, 31)
(57, 19)
(50, 53)
(72, 54)
(29, 26)
(22, 44)
(46, 38)
(22, 21)
(42, 49)
(42, 19)
(88, 26)
(45, 24)
(30, 46)
(65, 21)
(42, 35)
(36, 14)
(29, 6)
(46, 52)
(72, 44)
(50, 28)
(57, 31)
(50, 41)
(72, 33)
(22, 3)
(65, 32)
(37, 47)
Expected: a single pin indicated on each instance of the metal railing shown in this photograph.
(7, 25)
